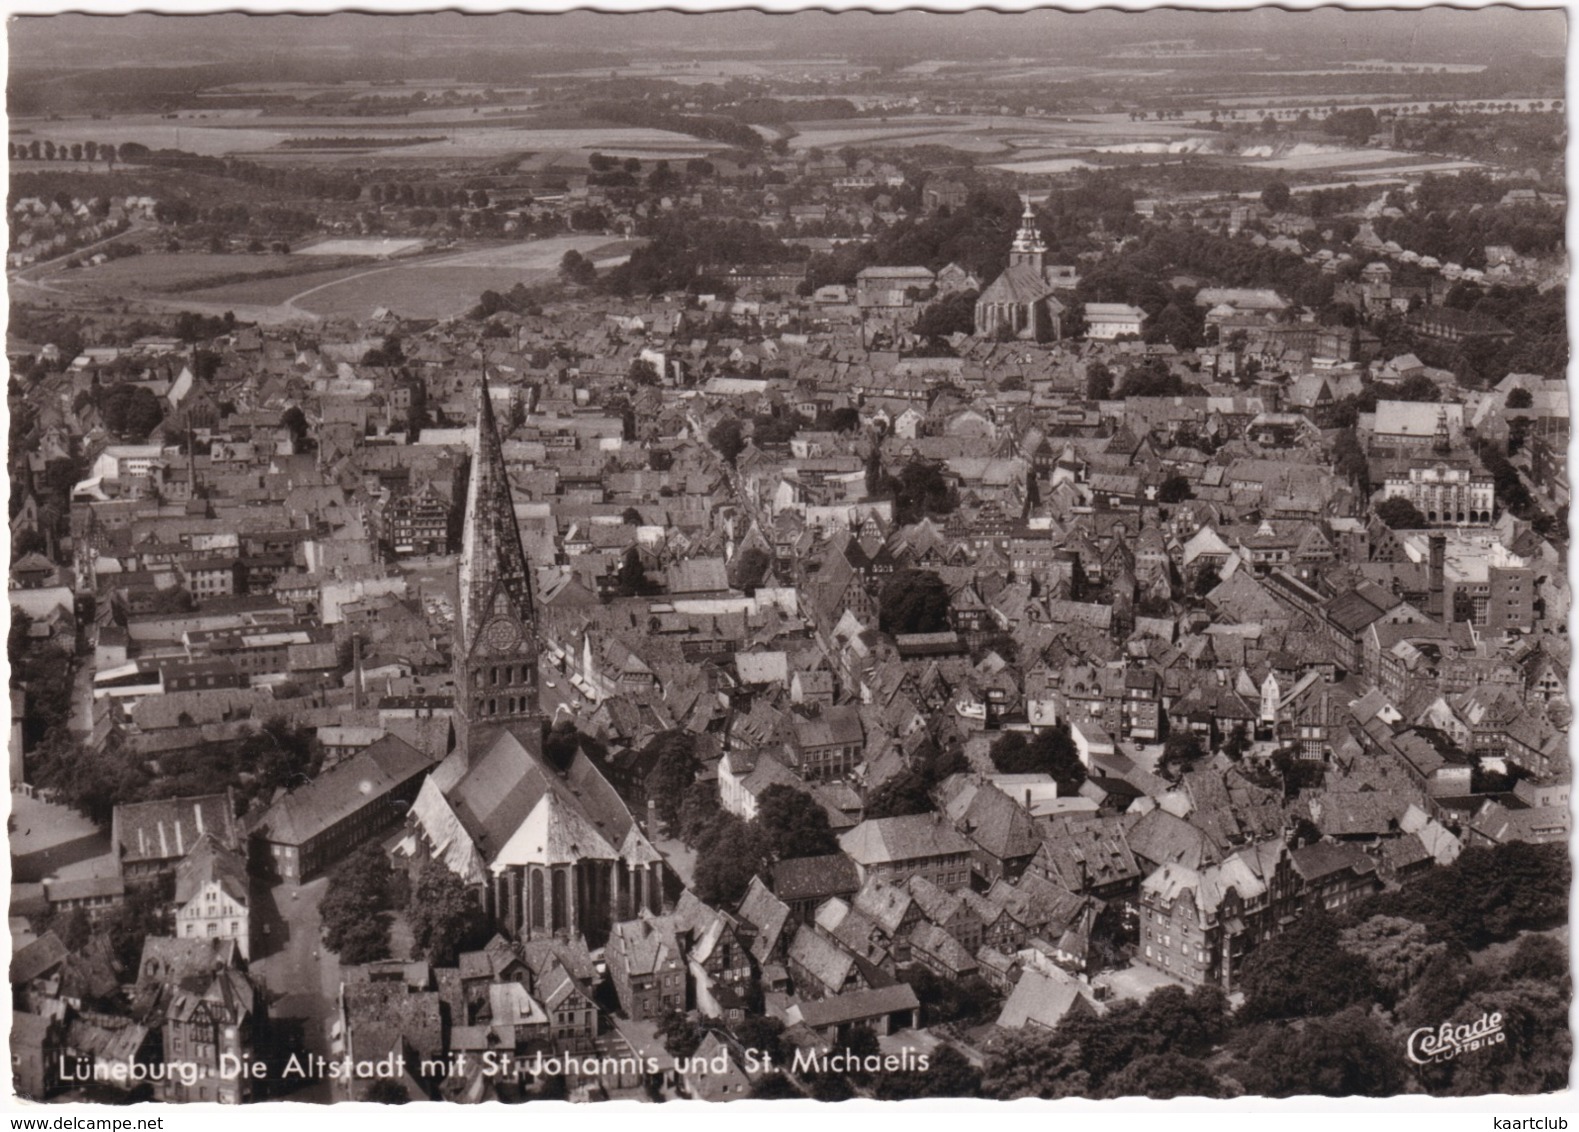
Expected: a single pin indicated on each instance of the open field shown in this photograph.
(414, 291)
(1309, 158)
(162, 273)
(479, 137)
(268, 292)
(989, 133)
(1044, 165)
(441, 286)
(1358, 161)
(374, 248)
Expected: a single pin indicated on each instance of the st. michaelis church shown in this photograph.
(554, 851)
(1020, 303)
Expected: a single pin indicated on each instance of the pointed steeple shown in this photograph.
(496, 642)
(492, 561)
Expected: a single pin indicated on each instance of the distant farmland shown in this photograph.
(414, 138)
(443, 286)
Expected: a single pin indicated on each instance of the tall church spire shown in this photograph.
(496, 641)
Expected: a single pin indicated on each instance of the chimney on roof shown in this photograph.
(164, 845)
(197, 811)
(180, 847)
(1436, 602)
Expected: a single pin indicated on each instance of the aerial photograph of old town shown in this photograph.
(699, 557)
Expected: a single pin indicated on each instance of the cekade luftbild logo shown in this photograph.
(1447, 1041)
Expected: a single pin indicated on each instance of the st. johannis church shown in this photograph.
(552, 850)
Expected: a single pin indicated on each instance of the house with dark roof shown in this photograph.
(210, 1024)
(804, 883)
(150, 838)
(766, 923)
(647, 967)
(572, 1011)
(826, 745)
(883, 1010)
(1003, 835)
(821, 966)
(391, 1014)
(317, 825)
(1198, 924)
(1334, 874)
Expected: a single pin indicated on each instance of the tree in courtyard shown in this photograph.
(674, 772)
(1397, 951)
(913, 601)
(1099, 381)
(948, 1074)
(1276, 196)
(750, 569)
(1163, 1076)
(793, 823)
(681, 1036)
(728, 854)
(1050, 751)
(631, 580)
(1181, 752)
(921, 490)
(576, 268)
(1400, 514)
(727, 439)
(445, 917)
(1175, 489)
(354, 906)
(1303, 973)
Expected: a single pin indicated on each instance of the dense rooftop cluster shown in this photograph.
(924, 660)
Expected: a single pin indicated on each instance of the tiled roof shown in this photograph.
(168, 830)
(914, 837)
(815, 878)
(299, 816)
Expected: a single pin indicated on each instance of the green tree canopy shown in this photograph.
(1163, 1076)
(749, 569)
(913, 601)
(1050, 751)
(1175, 489)
(354, 906)
(793, 824)
(727, 439)
(674, 772)
(1348, 1054)
(445, 917)
(1099, 381)
(1400, 514)
(1303, 972)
